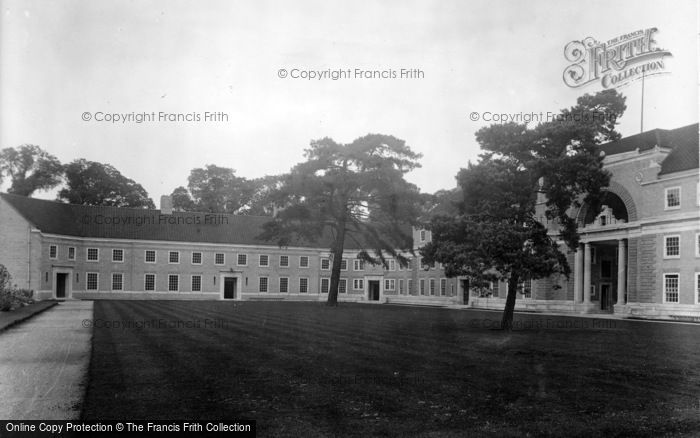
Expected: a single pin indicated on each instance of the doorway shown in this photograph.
(61, 285)
(465, 290)
(373, 290)
(230, 288)
(606, 296)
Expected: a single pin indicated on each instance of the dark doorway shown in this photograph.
(605, 297)
(61, 281)
(465, 291)
(229, 288)
(373, 287)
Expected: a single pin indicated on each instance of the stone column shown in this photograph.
(621, 277)
(578, 274)
(587, 273)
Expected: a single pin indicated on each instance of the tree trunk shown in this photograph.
(337, 252)
(507, 321)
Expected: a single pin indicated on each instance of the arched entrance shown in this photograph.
(614, 210)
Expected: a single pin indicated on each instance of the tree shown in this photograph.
(30, 168)
(351, 192)
(213, 189)
(182, 200)
(92, 183)
(496, 234)
(261, 201)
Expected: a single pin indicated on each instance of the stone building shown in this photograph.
(64, 251)
(641, 255)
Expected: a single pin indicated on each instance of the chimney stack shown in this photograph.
(166, 205)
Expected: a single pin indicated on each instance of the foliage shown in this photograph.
(11, 297)
(29, 169)
(92, 183)
(214, 189)
(495, 235)
(352, 192)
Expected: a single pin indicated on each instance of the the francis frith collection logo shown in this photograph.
(616, 62)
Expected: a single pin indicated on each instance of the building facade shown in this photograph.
(64, 251)
(640, 257)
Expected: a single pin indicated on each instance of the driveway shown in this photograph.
(44, 363)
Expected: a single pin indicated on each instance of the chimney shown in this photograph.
(166, 205)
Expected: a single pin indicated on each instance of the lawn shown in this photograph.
(303, 369)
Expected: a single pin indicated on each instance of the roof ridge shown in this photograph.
(134, 209)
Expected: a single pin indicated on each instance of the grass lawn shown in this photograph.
(303, 369)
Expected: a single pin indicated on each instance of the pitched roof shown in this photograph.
(683, 143)
(142, 224)
(686, 150)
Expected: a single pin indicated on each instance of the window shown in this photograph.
(525, 288)
(303, 285)
(358, 265)
(284, 261)
(402, 291)
(606, 268)
(673, 198)
(304, 261)
(174, 257)
(150, 256)
(343, 285)
(697, 288)
(219, 258)
(92, 280)
(358, 284)
(671, 288)
(53, 251)
(344, 265)
(93, 254)
(263, 260)
(196, 258)
(284, 284)
(389, 284)
(118, 255)
(422, 286)
(262, 284)
(242, 260)
(594, 258)
(325, 264)
(443, 287)
(117, 281)
(697, 245)
(432, 286)
(173, 282)
(325, 285)
(71, 253)
(392, 265)
(149, 282)
(196, 283)
(672, 246)
(423, 235)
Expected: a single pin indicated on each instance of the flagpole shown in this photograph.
(641, 122)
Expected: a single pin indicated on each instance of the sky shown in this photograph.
(62, 62)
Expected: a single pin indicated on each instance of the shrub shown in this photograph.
(11, 297)
(6, 295)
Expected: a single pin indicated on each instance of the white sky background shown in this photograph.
(61, 58)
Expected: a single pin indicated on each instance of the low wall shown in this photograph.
(671, 312)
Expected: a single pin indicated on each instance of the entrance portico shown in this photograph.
(600, 275)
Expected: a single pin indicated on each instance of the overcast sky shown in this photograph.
(59, 59)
